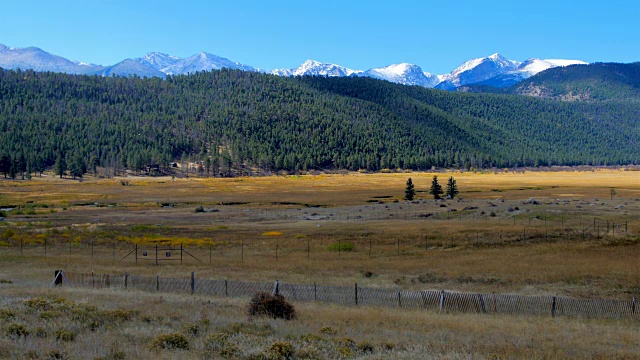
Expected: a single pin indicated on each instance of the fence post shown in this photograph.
(157, 281)
(553, 307)
(356, 291)
(193, 282)
(276, 289)
(484, 310)
(441, 301)
(126, 280)
(633, 305)
(399, 300)
(93, 280)
(226, 288)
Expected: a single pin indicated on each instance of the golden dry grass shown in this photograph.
(524, 248)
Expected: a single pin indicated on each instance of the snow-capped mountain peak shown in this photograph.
(202, 61)
(403, 73)
(313, 67)
(158, 60)
(477, 70)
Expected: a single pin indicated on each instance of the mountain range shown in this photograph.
(494, 70)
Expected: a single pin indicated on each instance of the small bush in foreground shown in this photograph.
(281, 350)
(16, 330)
(65, 335)
(170, 342)
(6, 314)
(274, 306)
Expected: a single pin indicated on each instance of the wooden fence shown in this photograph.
(434, 300)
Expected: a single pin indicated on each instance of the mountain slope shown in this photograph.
(203, 61)
(597, 81)
(40, 60)
(526, 70)
(130, 67)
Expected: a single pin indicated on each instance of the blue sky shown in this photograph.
(436, 35)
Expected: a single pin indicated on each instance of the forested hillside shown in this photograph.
(234, 120)
(598, 81)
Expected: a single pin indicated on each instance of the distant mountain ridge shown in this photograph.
(494, 70)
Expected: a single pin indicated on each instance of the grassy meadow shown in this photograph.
(532, 233)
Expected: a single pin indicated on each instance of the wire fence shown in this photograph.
(433, 300)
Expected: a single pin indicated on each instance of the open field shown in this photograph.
(575, 240)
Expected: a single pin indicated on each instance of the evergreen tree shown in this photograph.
(5, 165)
(93, 164)
(13, 169)
(409, 191)
(436, 189)
(60, 166)
(452, 188)
(77, 167)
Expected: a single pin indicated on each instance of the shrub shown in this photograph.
(16, 330)
(170, 341)
(38, 303)
(64, 335)
(55, 354)
(274, 306)
(309, 353)
(230, 350)
(341, 246)
(5, 281)
(41, 332)
(328, 330)
(281, 350)
(311, 338)
(191, 329)
(6, 314)
(199, 209)
(215, 342)
(118, 315)
(365, 347)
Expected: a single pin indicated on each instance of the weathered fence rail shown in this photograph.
(434, 300)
